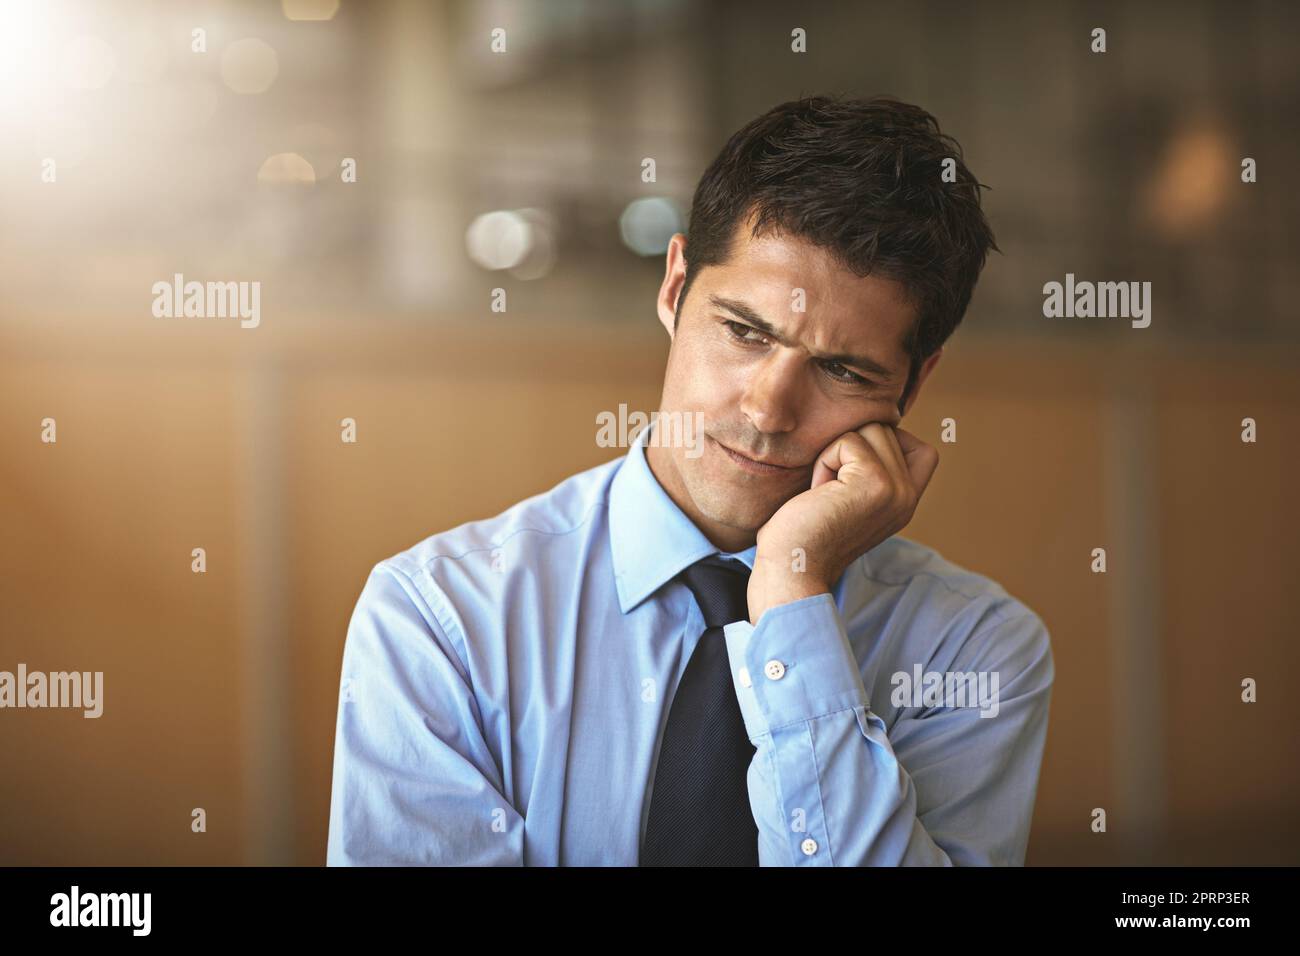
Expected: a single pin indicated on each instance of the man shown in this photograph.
(720, 652)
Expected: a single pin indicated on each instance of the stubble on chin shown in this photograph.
(732, 506)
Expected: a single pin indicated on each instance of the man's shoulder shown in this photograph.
(900, 561)
(514, 539)
(938, 596)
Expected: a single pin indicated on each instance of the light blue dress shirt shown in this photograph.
(506, 685)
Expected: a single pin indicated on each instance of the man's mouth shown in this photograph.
(753, 466)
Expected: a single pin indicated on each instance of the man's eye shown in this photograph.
(841, 374)
(739, 331)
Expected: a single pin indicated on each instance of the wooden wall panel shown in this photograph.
(1229, 530)
(95, 576)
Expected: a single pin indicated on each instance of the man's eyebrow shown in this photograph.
(744, 312)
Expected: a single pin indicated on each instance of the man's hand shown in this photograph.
(865, 487)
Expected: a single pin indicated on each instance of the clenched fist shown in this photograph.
(865, 487)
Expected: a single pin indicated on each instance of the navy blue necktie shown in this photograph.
(699, 804)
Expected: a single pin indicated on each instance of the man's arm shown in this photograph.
(829, 788)
(414, 780)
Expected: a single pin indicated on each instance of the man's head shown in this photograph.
(828, 260)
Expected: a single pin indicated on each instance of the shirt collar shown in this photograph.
(651, 539)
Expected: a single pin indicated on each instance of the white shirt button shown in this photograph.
(774, 670)
(809, 846)
(744, 677)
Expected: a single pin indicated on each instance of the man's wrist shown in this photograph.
(772, 589)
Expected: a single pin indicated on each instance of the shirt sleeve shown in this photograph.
(415, 782)
(949, 785)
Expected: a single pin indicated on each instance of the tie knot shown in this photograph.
(719, 585)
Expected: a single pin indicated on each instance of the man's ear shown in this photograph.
(674, 277)
(921, 375)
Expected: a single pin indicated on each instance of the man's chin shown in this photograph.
(748, 520)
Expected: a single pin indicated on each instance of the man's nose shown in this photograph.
(771, 398)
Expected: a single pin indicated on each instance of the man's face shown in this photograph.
(772, 382)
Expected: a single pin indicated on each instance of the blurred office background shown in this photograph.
(522, 170)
